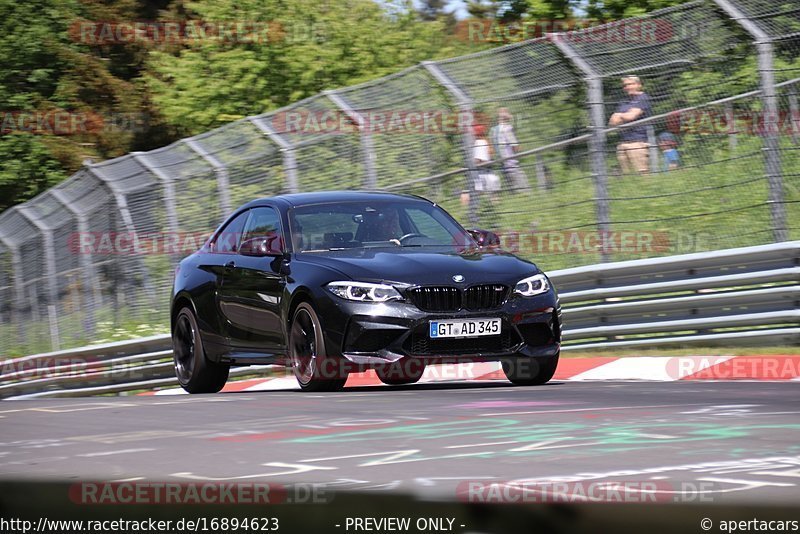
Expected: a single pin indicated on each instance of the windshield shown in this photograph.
(347, 225)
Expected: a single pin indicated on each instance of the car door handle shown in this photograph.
(230, 265)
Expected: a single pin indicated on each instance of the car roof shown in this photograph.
(320, 197)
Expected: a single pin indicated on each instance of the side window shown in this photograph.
(263, 222)
(227, 241)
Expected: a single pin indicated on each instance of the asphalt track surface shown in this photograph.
(720, 442)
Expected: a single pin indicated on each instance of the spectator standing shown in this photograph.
(632, 150)
(482, 152)
(668, 144)
(506, 146)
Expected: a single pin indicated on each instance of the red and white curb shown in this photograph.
(656, 368)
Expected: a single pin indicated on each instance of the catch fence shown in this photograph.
(93, 257)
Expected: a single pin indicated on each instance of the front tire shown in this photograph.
(313, 370)
(530, 371)
(195, 372)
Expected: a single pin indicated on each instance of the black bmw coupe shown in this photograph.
(335, 282)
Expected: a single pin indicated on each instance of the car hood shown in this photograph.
(424, 267)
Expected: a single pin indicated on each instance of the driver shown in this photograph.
(385, 226)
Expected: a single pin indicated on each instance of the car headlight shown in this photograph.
(533, 285)
(364, 291)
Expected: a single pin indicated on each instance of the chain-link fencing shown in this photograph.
(519, 139)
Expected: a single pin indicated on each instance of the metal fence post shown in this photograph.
(594, 83)
(127, 220)
(371, 179)
(542, 180)
(289, 160)
(223, 182)
(730, 121)
(652, 142)
(119, 197)
(794, 114)
(772, 141)
(464, 103)
(19, 288)
(168, 184)
(50, 272)
(89, 278)
(772, 157)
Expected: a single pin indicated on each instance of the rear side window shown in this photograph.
(227, 241)
(324, 228)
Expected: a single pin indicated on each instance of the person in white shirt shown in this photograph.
(482, 152)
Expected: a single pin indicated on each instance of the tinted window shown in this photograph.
(263, 222)
(227, 241)
(427, 225)
(322, 227)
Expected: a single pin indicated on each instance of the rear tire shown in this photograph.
(313, 370)
(195, 372)
(530, 371)
(401, 373)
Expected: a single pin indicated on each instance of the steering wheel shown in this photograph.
(409, 236)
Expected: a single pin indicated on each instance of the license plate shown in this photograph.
(465, 328)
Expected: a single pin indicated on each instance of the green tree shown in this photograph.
(620, 9)
(517, 10)
(47, 68)
(309, 46)
(26, 168)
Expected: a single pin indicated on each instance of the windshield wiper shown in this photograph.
(332, 249)
(429, 245)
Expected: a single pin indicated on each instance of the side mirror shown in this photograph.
(262, 246)
(485, 238)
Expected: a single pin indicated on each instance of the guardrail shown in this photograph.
(736, 296)
(741, 296)
(99, 370)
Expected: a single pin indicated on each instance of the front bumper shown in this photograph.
(368, 334)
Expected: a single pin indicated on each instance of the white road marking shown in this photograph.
(651, 436)
(788, 473)
(656, 368)
(481, 444)
(430, 480)
(391, 455)
(293, 470)
(139, 435)
(750, 484)
(543, 445)
(38, 460)
(588, 409)
(274, 384)
(82, 407)
(110, 453)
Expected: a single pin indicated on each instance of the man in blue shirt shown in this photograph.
(632, 151)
